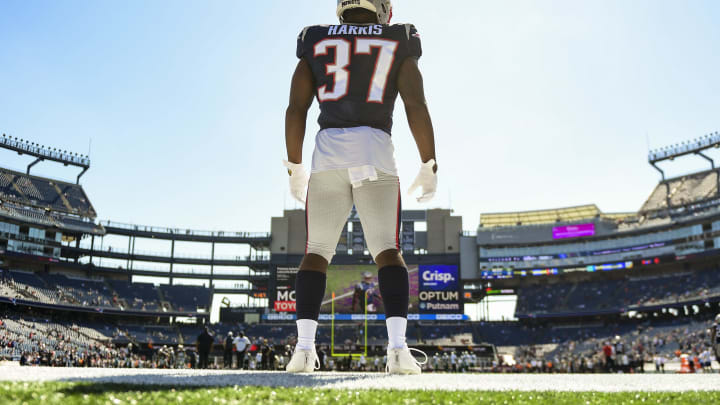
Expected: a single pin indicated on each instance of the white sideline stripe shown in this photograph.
(364, 381)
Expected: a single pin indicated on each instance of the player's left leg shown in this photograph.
(379, 206)
(329, 200)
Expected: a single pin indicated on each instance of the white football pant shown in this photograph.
(330, 198)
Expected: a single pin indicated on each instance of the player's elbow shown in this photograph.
(413, 98)
(415, 105)
(296, 110)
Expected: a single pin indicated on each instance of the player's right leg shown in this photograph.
(328, 204)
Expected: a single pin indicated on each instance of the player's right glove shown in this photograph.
(427, 179)
(298, 180)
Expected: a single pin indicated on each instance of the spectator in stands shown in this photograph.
(193, 358)
(204, 345)
(227, 351)
(608, 352)
(658, 360)
(241, 343)
(271, 358)
(265, 359)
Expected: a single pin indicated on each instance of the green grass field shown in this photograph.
(86, 393)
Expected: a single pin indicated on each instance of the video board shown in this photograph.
(434, 289)
(351, 283)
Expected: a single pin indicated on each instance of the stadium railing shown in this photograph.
(178, 231)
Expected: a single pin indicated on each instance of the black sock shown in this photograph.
(395, 290)
(309, 292)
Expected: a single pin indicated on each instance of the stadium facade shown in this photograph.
(581, 262)
(50, 239)
(574, 267)
(50, 226)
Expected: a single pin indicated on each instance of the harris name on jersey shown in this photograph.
(355, 30)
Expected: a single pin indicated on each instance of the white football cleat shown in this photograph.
(401, 361)
(303, 361)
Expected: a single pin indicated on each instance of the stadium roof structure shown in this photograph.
(619, 216)
(539, 217)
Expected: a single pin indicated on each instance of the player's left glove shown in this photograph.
(298, 180)
(427, 179)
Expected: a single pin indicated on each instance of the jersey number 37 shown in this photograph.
(341, 76)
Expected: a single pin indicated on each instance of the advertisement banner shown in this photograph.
(285, 297)
(374, 317)
(439, 289)
(573, 231)
(285, 306)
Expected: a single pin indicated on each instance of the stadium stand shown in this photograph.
(139, 296)
(630, 292)
(186, 298)
(537, 348)
(40, 216)
(82, 292)
(630, 346)
(682, 191)
(49, 339)
(44, 193)
(63, 290)
(147, 334)
(30, 287)
(27, 214)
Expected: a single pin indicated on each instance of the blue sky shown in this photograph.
(536, 104)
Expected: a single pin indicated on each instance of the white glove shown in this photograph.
(427, 179)
(298, 180)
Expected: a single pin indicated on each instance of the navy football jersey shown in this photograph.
(355, 69)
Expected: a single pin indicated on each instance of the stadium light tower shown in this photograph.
(41, 153)
(694, 147)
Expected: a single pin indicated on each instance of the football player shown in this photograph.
(365, 293)
(355, 70)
